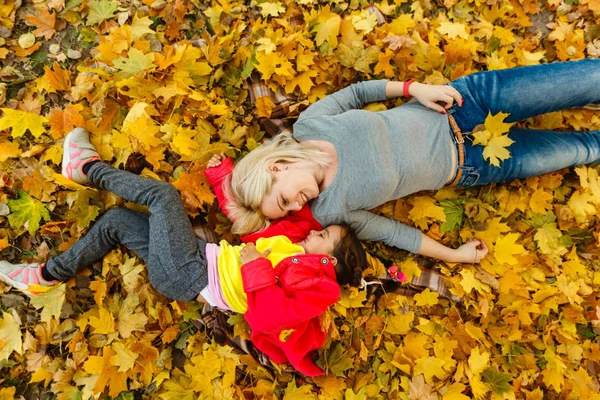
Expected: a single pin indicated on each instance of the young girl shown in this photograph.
(347, 161)
(275, 291)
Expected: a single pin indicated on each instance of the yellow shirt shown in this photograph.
(230, 266)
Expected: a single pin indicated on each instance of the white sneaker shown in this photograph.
(20, 276)
(77, 151)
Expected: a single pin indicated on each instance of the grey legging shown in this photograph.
(165, 240)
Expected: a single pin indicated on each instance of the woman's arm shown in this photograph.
(369, 226)
(428, 95)
(352, 97)
(470, 252)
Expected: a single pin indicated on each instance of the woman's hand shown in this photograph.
(430, 95)
(249, 253)
(215, 160)
(471, 252)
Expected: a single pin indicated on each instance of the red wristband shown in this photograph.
(406, 85)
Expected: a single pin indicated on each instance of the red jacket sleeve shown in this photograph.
(296, 226)
(216, 177)
(270, 309)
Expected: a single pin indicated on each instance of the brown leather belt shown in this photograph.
(461, 149)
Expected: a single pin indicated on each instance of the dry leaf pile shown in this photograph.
(164, 82)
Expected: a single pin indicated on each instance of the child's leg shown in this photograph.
(173, 250)
(525, 92)
(116, 226)
(182, 281)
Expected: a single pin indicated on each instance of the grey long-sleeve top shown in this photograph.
(382, 156)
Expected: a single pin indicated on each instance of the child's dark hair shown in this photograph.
(351, 258)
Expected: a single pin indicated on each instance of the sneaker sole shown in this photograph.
(65, 158)
(17, 285)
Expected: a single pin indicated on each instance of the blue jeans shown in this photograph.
(525, 92)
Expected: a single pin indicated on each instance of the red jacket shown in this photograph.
(290, 297)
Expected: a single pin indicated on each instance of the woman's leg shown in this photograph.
(524, 92)
(534, 152)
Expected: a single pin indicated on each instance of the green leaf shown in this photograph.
(100, 10)
(454, 211)
(337, 362)
(496, 380)
(26, 211)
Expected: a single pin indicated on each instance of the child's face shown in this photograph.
(322, 242)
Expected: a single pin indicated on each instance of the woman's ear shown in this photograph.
(333, 261)
(273, 168)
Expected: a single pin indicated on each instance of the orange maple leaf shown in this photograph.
(58, 77)
(44, 22)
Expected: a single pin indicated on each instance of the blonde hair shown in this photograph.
(251, 181)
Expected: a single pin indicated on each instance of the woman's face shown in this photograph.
(292, 188)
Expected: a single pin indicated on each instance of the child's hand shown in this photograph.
(249, 253)
(216, 160)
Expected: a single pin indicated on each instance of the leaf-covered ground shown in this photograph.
(161, 84)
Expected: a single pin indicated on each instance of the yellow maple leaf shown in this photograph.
(123, 358)
(364, 21)
(580, 205)
(547, 238)
(10, 336)
(495, 123)
(470, 282)
(328, 31)
(478, 361)
(430, 367)
(140, 27)
(9, 150)
(496, 151)
(540, 201)
(51, 302)
(272, 9)
(426, 298)
(425, 210)
(402, 24)
(383, 64)
(506, 247)
(63, 181)
(453, 30)
(104, 322)
(410, 268)
(506, 36)
(569, 288)
(21, 121)
(454, 392)
(573, 266)
(493, 230)
(399, 324)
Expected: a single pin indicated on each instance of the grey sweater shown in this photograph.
(382, 156)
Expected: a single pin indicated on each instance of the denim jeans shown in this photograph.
(525, 92)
